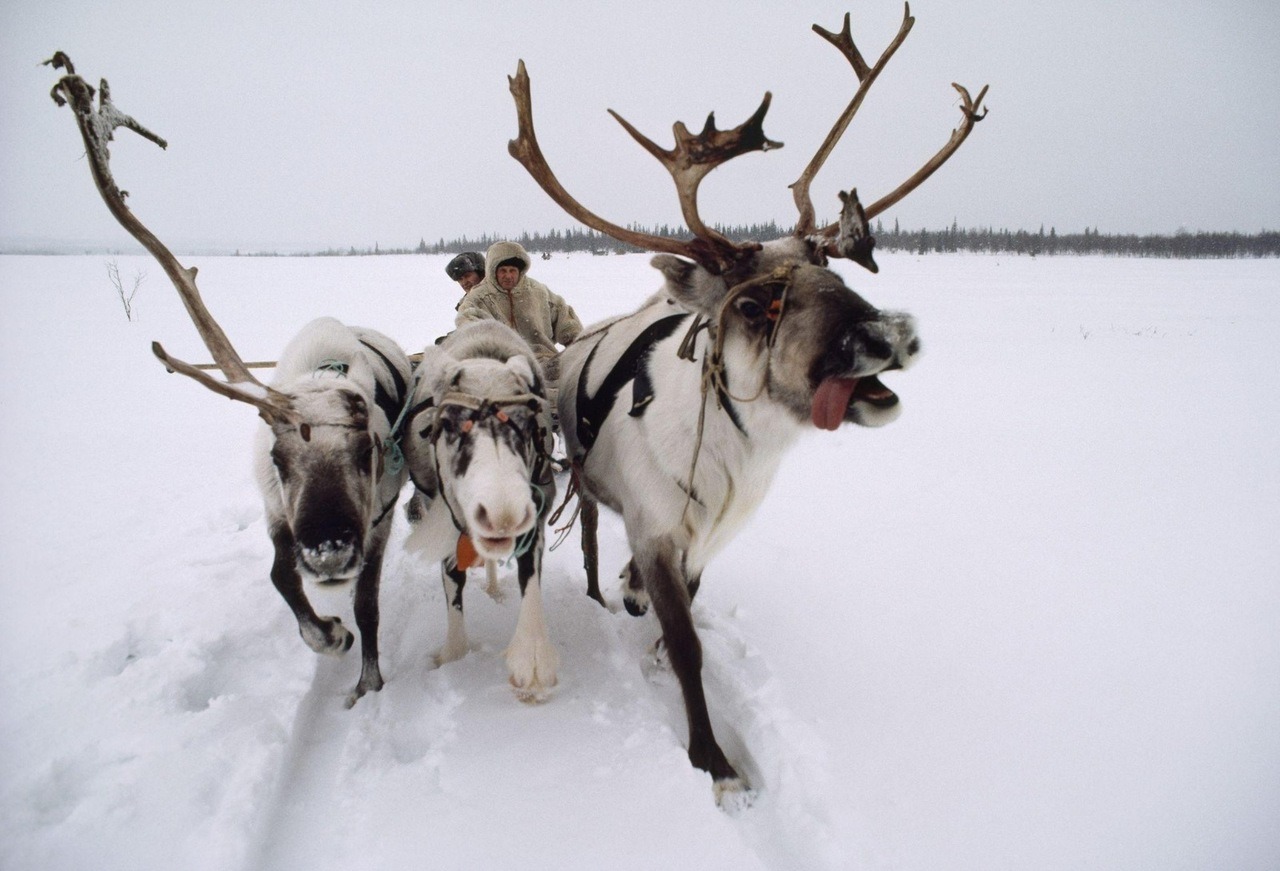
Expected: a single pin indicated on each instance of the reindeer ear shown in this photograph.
(691, 286)
(522, 369)
(443, 375)
(431, 358)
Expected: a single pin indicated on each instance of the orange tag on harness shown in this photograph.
(466, 555)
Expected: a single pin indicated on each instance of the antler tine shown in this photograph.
(970, 110)
(97, 127)
(866, 77)
(693, 157)
(844, 41)
(525, 149)
(271, 404)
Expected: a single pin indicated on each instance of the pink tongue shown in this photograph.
(831, 401)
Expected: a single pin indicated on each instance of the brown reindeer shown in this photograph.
(677, 415)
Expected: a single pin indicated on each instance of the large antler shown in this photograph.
(688, 162)
(97, 127)
(853, 215)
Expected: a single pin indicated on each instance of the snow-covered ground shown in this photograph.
(1033, 624)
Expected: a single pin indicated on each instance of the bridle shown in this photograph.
(381, 451)
(479, 409)
(713, 369)
(386, 455)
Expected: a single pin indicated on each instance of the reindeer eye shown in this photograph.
(751, 310)
(282, 466)
(364, 451)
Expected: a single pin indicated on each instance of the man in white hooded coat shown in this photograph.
(509, 295)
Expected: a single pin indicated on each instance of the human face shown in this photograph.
(507, 277)
(468, 280)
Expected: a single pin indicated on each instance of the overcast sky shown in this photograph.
(300, 126)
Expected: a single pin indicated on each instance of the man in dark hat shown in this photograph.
(467, 269)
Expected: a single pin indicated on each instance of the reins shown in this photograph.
(713, 368)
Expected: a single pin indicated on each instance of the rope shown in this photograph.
(574, 489)
(340, 367)
(525, 542)
(713, 368)
(392, 452)
(394, 456)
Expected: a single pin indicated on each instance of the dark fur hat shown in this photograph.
(467, 261)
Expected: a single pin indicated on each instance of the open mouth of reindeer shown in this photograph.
(495, 546)
(835, 396)
(500, 543)
(328, 564)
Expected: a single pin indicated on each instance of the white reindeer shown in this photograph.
(676, 416)
(476, 438)
(320, 455)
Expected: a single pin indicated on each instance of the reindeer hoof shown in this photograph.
(637, 605)
(451, 652)
(733, 795)
(359, 693)
(532, 695)
(532, 668)
(370, 681)
(328, 635)
(635, 598)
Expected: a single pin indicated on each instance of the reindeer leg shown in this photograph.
(323, 635)
(634, 596)
(532, 660)
(455, 644)
(669, 594)
(590, 518)
(366, 609)
(694, 584)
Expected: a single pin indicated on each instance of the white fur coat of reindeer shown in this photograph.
(477, 437)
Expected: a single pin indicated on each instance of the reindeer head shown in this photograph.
(477, 439)
(796, 334)
(783, 322)
(324, 468)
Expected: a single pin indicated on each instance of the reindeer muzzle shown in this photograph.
(328, 550)
(329, 562)
(848, 389)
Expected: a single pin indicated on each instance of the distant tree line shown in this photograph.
(573, 240)
(1183, 245)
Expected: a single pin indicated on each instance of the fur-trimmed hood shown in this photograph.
(500, 251)
(541, 318)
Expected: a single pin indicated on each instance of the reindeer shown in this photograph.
(677, 415)
(477, 441)
(321, 457)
